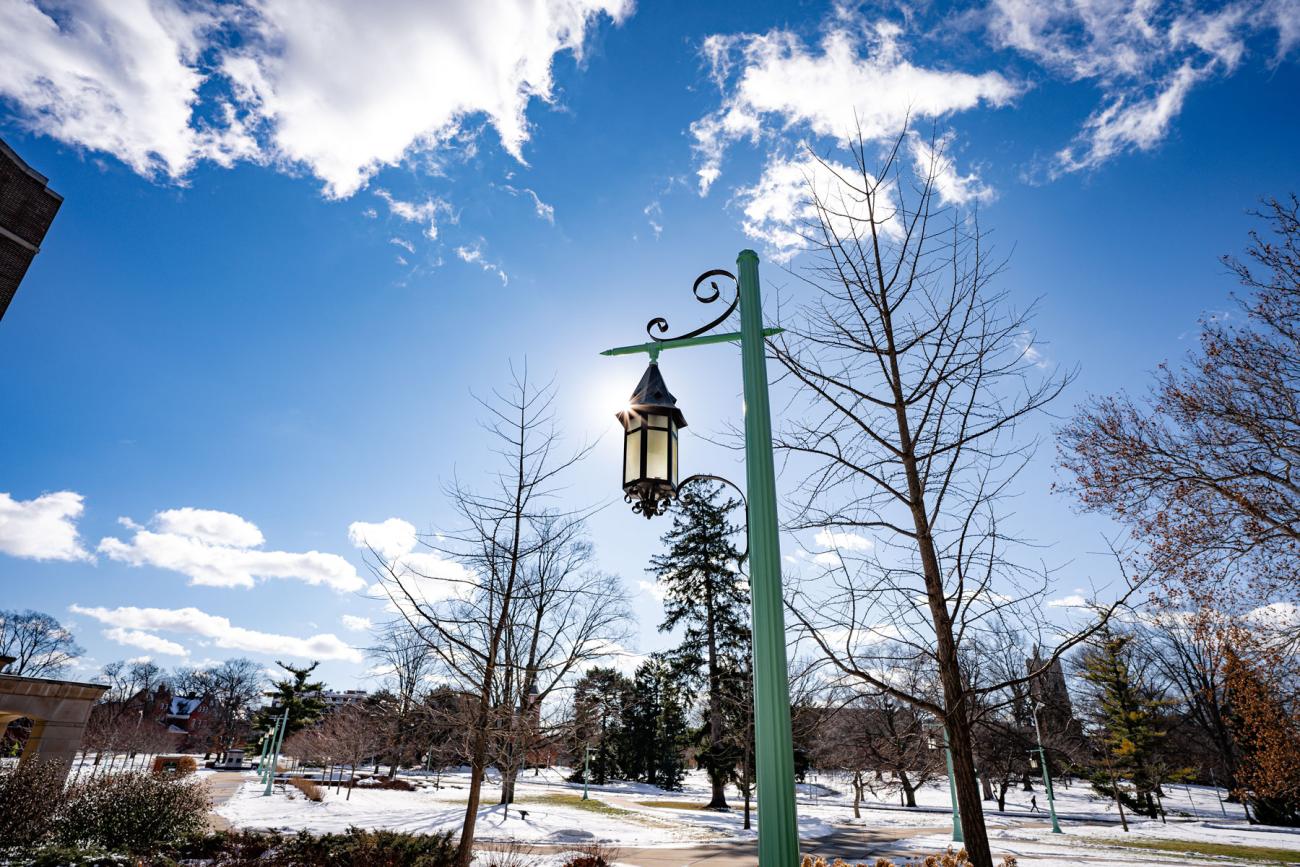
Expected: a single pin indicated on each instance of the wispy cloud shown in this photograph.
(473, 254)
(127, 621)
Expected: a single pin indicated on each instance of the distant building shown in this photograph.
(335, 699)
(1048, 688)
(27, 207)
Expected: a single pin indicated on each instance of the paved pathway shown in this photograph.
(222, 786)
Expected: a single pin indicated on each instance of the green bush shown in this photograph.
(30, 795)
(377, 848)
(133, 812)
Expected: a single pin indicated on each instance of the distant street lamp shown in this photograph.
(586, 770)
(651, 423)
(1047, 776)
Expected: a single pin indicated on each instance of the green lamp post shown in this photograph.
(650, 483)
(1047, 776)
(586, 771)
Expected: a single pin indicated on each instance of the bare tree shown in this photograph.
(39, 644)
(407, 661)
(568, 614)
(352, 734)
(914, 372)
(884, 744)
(1206, 468)
(469, 613)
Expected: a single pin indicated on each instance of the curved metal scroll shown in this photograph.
(705, 477)
(661, 325)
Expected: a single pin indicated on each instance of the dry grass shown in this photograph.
(310, 790)
(1264, 854)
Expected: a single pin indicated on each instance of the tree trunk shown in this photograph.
(909, 791)
(719, 799)
(857, 794)
(987, 786)
(1002, 796)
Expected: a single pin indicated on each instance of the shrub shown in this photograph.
(372, 848)
(381, 783)
(30, 795)
(132, 812)
(593, 855)
(309, 789)
(174, 766)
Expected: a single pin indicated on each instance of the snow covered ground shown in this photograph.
(631, 815)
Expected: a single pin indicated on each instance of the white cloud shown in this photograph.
(654, 213)
(219, 549)
(209, 525)
(353, 623)
(119, 76)
(403, 243)
(339, 87)
(145, 641)
(427, 212)
(779, 209)
(654, 588)
(426, 576)
(390, 539)
(473, 254)
(43, 528)
(843, 540)
(221, 632)
(934, 161)
(1074, 600)
(858, 79)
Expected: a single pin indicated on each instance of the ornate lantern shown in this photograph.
(650, 425)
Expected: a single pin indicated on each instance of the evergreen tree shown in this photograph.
(297, 694)
(1130, 721)
(706, 595)
(599, 701)
(655, 729)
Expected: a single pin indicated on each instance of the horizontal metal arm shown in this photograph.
(653, 349)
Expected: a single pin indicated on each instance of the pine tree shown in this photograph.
(706, 595)
(599, 701)
(299, 695)
(1129, 717)
(655, 729)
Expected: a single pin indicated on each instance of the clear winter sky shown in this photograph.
(299, 235)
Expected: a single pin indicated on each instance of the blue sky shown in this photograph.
(298, 237)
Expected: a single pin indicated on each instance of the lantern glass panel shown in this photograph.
(674, 448)
(656, 456)
(632, 456)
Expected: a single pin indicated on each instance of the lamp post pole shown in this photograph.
(586, 770)
(277, 738)
(778, 833)
(957, 836)
(1047, 777)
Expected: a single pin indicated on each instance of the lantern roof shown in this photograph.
(652, 395)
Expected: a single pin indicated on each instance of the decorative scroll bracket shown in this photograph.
(660, 324)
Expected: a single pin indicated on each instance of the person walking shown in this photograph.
(1033, 803)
